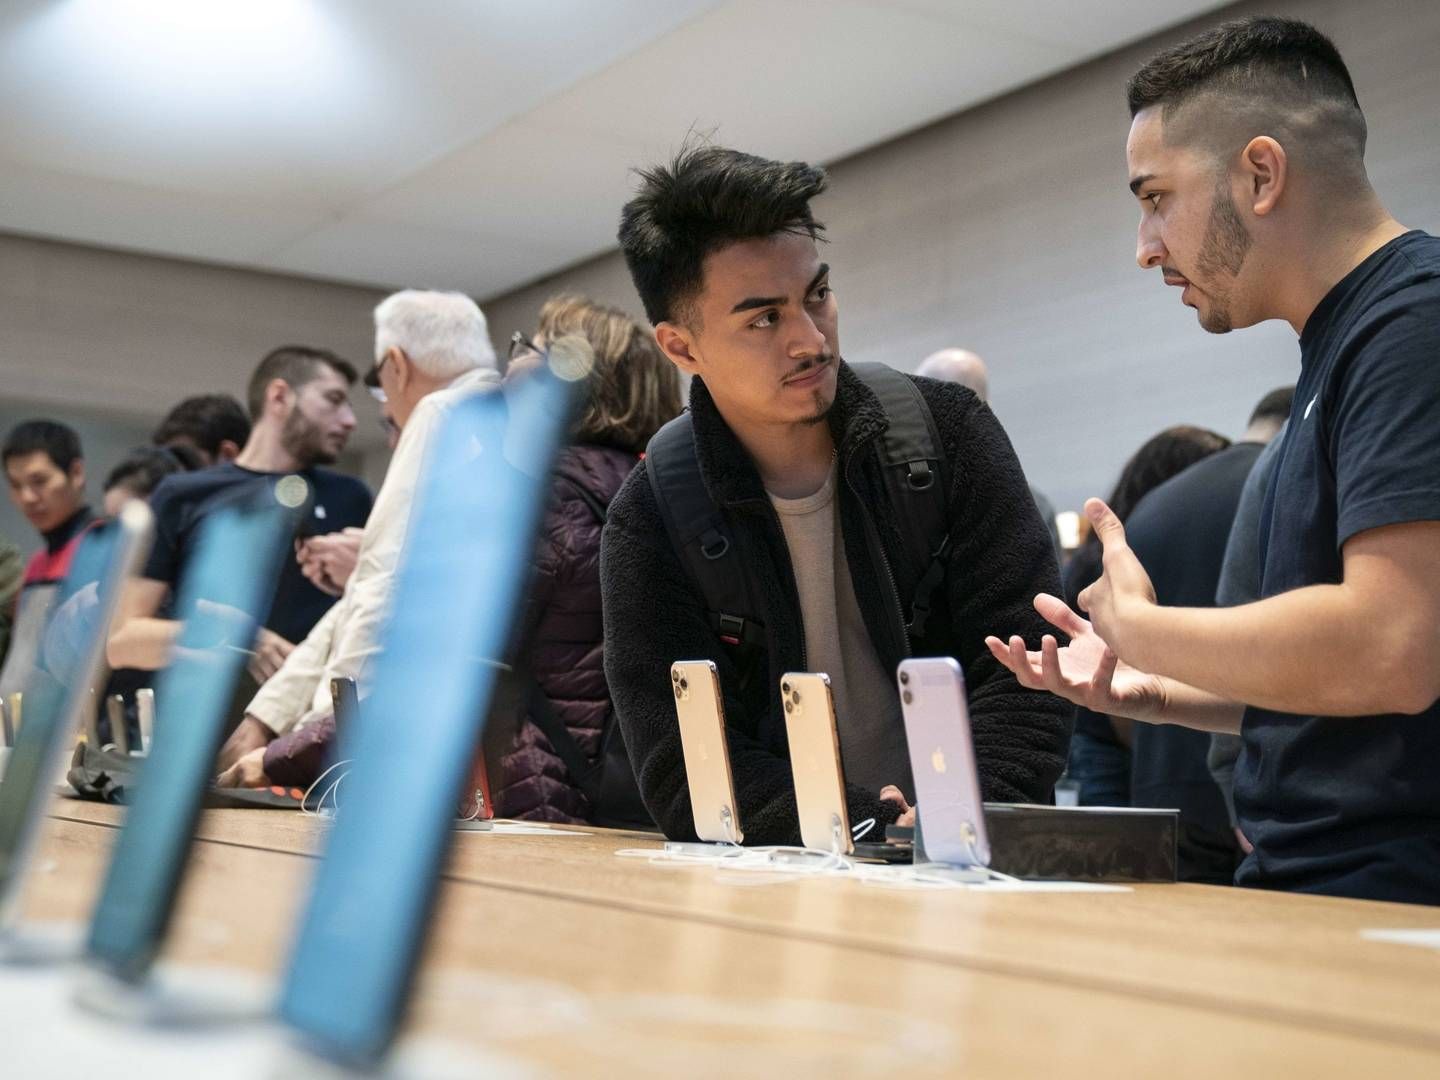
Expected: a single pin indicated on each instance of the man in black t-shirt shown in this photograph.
(1246, 152)
(300, 403)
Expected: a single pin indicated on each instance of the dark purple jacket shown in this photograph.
(559, 641)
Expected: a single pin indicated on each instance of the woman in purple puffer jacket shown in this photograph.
(633, 391)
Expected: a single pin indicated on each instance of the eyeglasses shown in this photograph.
(375, 391)
(520, 345)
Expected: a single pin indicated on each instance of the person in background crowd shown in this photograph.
(300, 402)
(1239, 583)
(432, 351)
(968, 369)
(45, 469)
(722, 248)
(138, 475)
(204, 430)
(1246, 153)
(12, 576)
(1179, 531)
(632, 392)
(1099, 748)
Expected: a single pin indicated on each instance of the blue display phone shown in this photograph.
(222, 598)
(62, 689)
(465, 564)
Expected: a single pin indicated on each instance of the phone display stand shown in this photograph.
(190, 999)
(951, 871)
(474, 825)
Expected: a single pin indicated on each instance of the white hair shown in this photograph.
(443, 333)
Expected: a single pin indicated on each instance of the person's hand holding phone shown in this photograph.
(248, 772)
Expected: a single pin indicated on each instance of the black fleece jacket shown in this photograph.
(1001, 557)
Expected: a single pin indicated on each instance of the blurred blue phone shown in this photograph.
(229, 580)
(63, 687)
(942, 759)
(409, 750)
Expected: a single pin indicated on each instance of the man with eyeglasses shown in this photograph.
(432, 350)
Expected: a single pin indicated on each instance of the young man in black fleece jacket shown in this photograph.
(722, 248)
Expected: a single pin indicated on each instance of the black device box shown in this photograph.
(1082, 843)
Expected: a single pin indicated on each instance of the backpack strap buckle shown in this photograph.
(714, 544)
(919, 476)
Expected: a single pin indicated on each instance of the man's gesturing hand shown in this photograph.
(1123, 589)
(1085, 672)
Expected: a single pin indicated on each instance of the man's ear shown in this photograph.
(402, 366)
(1265, 167)
(228, 450)
(678, 345)
(77, 474)
(280, 394)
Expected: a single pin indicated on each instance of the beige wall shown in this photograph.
(1009, 229)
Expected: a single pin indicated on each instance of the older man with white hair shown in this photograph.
(432, 351)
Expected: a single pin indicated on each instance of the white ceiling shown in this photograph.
(471, 144)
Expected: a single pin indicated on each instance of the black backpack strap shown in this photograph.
(916, 480)
(699, 532)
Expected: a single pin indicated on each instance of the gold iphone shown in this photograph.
(815, 762)
(701, 712)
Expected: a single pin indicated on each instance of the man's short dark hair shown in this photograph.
(143, 468)
(1279, 77)
(1274, 406)
(297, 365)
(707, 198)
(206, 421)
(54, 438)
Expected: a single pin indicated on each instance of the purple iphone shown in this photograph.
(947, 787)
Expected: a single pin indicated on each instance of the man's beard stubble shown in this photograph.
(304, 441)
(1223, 253)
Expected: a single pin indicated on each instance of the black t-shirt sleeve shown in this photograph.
(163, 562)
(1383, 436)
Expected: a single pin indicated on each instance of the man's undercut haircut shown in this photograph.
(1258, 76)
(1274, 406)
(297, 365)
(706, 199)
(51, 437)
(206, 420)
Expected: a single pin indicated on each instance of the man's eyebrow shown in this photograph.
(1140, 181)
(752, 302)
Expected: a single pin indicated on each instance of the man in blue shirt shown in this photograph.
(1246, 152)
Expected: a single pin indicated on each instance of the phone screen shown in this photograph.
(61, 689)
(231, 576)
(469, 548)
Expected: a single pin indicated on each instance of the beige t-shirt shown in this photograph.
(867, 707)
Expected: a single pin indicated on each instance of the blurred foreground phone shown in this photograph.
(57, 699)
(222, 600)
(815, 762)
(700, 709)
(942, 759)
(466, 560)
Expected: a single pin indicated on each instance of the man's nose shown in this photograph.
(808, 339)
(347, 418)
(1149, 251)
